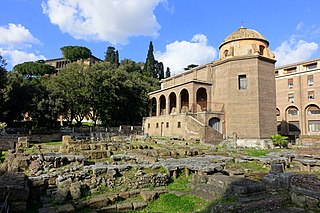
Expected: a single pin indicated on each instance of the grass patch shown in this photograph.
(51, 143)
(254, 166)
(173, 203)
(257, 152)
(180, 184)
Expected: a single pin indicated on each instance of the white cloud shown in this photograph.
(15, 40)
(293, 51)
(180, 54)
(14, 57)
(13, 35)
(104, 20)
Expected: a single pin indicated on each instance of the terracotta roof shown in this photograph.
(242, 34)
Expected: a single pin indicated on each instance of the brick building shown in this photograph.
(298, 92)
(232, 97)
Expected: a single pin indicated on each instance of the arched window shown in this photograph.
(261, 49)
(162, 105)
(225, 53)
(293, 111)
(278, 112)
(184, 97)
(215, 124)
(313, 110)
(202, 98)
(173, 101)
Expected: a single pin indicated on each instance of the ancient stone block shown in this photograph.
(66, 208)
(139, 205)
(124, 207)
(276, 168)
(148, 195)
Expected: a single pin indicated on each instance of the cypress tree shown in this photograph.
(149, 67)
(168, 73)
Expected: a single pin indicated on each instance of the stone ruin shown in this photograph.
(60, 180)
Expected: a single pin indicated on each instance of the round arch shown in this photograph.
(202, 98)
(184, 100)
(153, 106)
(172, 102)
(215, 123)
(162, 100)
(292, 111)
(292, 118)
(312, 109)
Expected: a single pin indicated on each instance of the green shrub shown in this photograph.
(279, 140)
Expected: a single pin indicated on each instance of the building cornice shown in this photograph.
(183, 83)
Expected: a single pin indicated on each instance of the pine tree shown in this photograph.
(168, 73)
(149, 67)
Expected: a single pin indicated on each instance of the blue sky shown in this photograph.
(182, 31)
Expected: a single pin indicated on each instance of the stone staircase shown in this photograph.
(202, 132)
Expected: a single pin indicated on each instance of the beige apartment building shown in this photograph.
(232, 97)
(298, 93)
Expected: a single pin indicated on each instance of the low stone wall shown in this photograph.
(16, 185)
(7, 141)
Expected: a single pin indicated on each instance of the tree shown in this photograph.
(149, 67)
(159, 70)
(191, 66)
(70, 85)
(168, 73)
(112, 56)
(75, 53)
(34, 69)
(18, 96)
(3, 80)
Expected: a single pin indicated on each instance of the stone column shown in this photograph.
(158, 107)
(168, 105)
(178, 104)
(187, 171)
(175, 174)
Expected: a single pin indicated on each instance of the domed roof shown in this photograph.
(242, 34)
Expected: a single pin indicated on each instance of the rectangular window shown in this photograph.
(148, 125)
(314, 126)
(242, 81)
(157, 125)
(290, 82)
(291, 97)
(310, 80)
(310, 95)
(167, 124)
(293, 112)
(290, 70)
(311, 66)
(179, 124)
